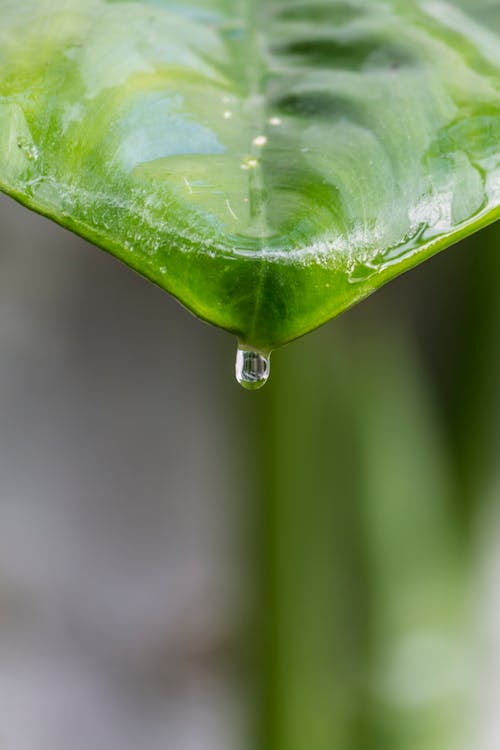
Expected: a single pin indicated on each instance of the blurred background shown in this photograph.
(188, 566)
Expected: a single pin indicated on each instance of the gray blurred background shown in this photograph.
(119, 478)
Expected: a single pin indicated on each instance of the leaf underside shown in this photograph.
(267, 163)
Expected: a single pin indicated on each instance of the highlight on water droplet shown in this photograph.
(29, 149)
(252, 368)
(249, 163)
(261, 140)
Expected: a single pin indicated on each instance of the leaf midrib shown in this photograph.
(254, 77)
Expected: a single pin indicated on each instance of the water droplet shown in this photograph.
(261, 140)
(29, 149)
(252, 369)
(249, 163)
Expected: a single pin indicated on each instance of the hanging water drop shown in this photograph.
(252, 369)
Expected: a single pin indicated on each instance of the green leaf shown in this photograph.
(268, 163)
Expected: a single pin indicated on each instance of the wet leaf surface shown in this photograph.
(269, 164)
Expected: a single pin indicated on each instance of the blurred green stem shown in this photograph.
(363, 589)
